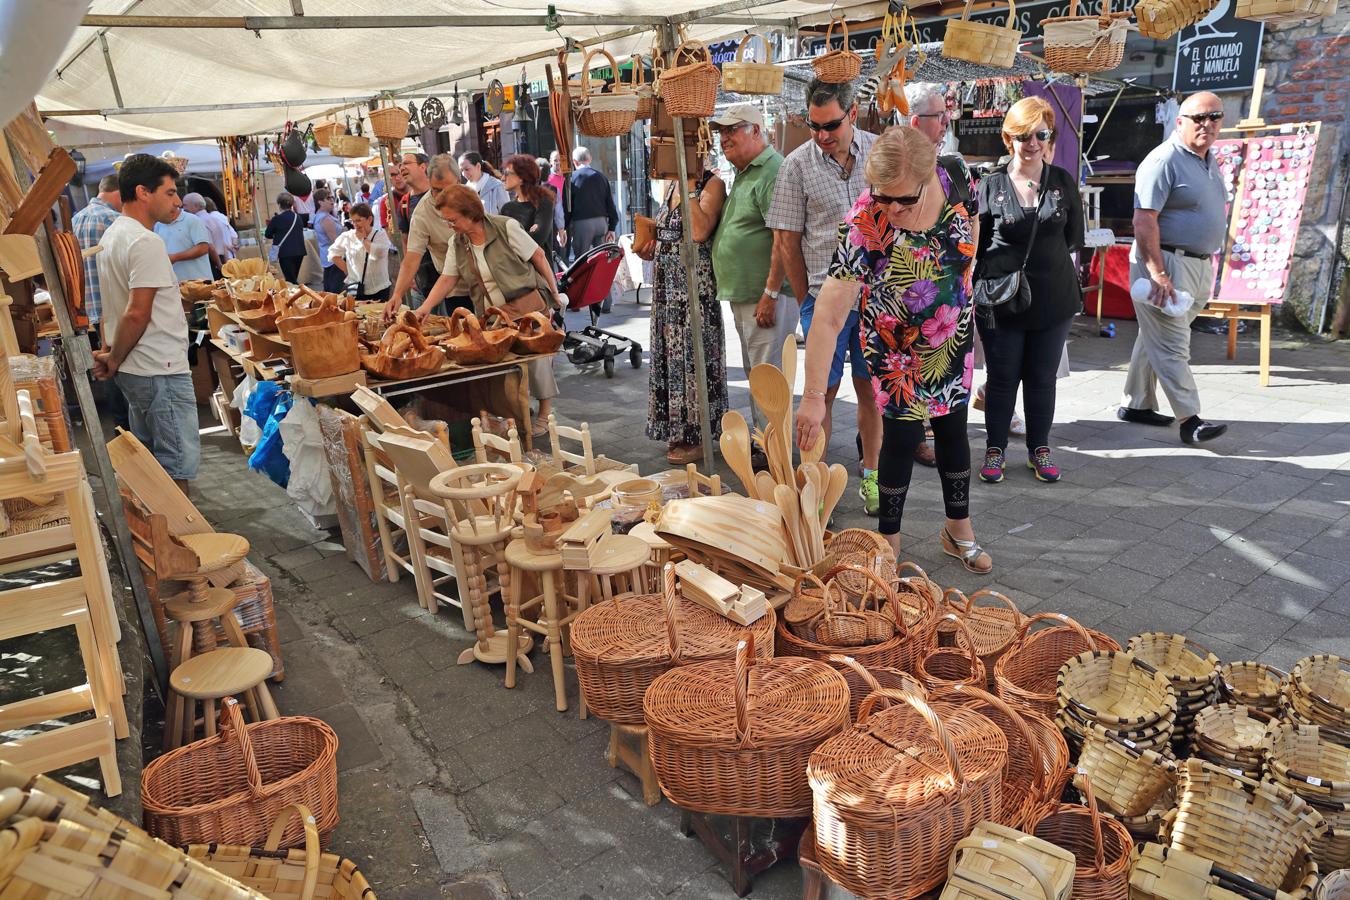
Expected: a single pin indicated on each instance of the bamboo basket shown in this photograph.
(324, 132)
(862, 682)
(996, 860)
(322, 351)
(229, 788)
(1148, 827)
(1084, 44)
(350, 145)
(689, 91)
(1336, 886)
(1233, 737)
(1318, 691)
(980, 42)
(622, 645)
(606, 115)
(389, 123)
(1318, 771)
(1025, 676)
(887, 821)
(1100, 845)
(1284, 12)
(947, 666)
(1182, 661)
(1253, 684)
(733, 738)
(741, 77)
(837, 66)
(1115, 689)
(1160, 19)
(1125, 780)
(1165, 873)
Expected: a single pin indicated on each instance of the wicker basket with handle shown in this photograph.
(837, 66)
(622, 645)
(981, 42)
(1160, 19)
(1234, 737)
(1318, 691)
(1125, 779)
(389, 122)
(996, 860)
(864, 549)
(231, 787)
(1101, 845)
(959, 664)
(896, 792)
(324, 132)
(733, 738)
(1115, 689)
(606, 115)
(1026, 674)
(351, 146)
(993, 627)
(863, 682)
(646, 93)
(805, 606)
(689, 90)
(743, 77)
(1318, 770)
(1082, 44)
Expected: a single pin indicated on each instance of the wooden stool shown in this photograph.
(209, 677)
(615, 556)
(747, 853)
(659, 554)
(628, 748)
(557, 610)
(213, 551)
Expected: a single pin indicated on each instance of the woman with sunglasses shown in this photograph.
(903, 260)
(1029, 211)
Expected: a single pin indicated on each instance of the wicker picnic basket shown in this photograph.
(325, 131)
(805, 605)
(1253, 684)
(1160, 19)
(1256, 829)
(1025, 676)
(1318, 691)
(861, 549)
(887, 821)
(622, 645)
(389, 123)
(993, 628)
(981, 42)
(1027, 782)
(689, 90)
(996, 860)
(1233, 737)
(1100, 844)
(863, 682)
(837, 66)
(609, 114)
(733, 737)
(944, 666)
(1284, 12)
(743, 77)
(1126, 780)
(1083, 44)
(231, 787)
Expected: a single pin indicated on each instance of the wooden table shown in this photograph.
(1250, 312)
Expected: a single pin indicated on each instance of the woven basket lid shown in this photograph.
(633, 629)
(898, 761)
(787, 701)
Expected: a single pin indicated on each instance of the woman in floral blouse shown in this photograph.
(904, 259)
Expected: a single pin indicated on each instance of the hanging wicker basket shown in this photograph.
(389, 123)
(982, 43)
(324, 132)
(1160, 19)
(1082, 44)
(837, 66)
(689, 91)
(743, 77)
(645, 92)
(606, 115)
(353, 146)
(1284, 12)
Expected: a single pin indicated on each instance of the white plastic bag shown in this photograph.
(302, 442)
(250, 432)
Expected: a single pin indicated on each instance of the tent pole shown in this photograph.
(309, 23)
(112, 74)
(690, 255)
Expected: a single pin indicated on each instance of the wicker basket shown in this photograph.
(1284, 12)
(995, 862)
(349, 145)
(606, 115)
(1182, 661)
(1025, 676)
(1319, 772)
(837, 66)
(805, 607)
(230, 787)
(622, 645)
(743, 77)
(324, 132)
(1082, 44)
(1233, 737)
(1336, 886)
(646, 94)
(1115, 689)
(1318, 691)
(887, 821)
(863, 549)
(1165, 873)
(863, 682)
(733, 738)
(993, 628)
(689, 91)
(1126, 780)
(1160, 19)
(1254, 685)
(980, 42)
(946, 666)
(389, 123)
(1101, 845)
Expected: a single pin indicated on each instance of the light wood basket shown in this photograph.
(1160, 19)
(982, 43)
(744, 77)
(1284, 12)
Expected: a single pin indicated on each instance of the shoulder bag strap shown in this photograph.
(361, 285)
(467, 247)
(1036, 216)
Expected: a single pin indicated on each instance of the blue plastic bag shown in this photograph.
(268, 457)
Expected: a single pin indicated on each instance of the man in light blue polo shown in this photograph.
(188, 243)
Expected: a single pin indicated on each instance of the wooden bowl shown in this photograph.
(322, 351)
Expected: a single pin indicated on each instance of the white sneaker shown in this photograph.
(1017, 426)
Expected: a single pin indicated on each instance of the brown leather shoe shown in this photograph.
(683, 454)
(923, 455)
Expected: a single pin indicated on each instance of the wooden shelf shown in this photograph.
(246, 360)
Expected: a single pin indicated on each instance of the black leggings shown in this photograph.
(952, 448)
(290, 267)
(1029, 358)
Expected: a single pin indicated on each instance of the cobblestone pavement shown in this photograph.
(452, 785)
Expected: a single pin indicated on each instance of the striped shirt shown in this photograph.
(89, 224)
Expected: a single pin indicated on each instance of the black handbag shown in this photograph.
(1010, 293)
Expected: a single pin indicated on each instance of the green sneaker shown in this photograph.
(870, 494)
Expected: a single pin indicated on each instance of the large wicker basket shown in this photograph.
(980, 42)
(1026, 674)
(733, 738)
(349, 145)
(1082, 44)
(895, 793)
(325, 131)
(622, 645)
(231, 787)
(1318, 770)
(1127, 780)
(689, 91)
(1101, 845)
(606, 115)
(1160, 19)
(1284, 12)
(389, 123)
(959, 664)
(837, 66)
(646, 93)
(743, 77)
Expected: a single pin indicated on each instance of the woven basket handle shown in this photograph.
(1001, 598)
(891, 596)
(232, 726)
(639, 72)
(586, 70)
(313, 852)
(1020, 723)
(745, 662)
(868, 678)
(801, 579)
(671, 603)
(964, 634)
(1008, 851)
(922, 708)
(952, 604)
(692, 49)
(1011, 24)
(1098, 846)
(829, 33)
(1025, 631)
(740, 48)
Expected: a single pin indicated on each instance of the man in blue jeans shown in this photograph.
(144, 322)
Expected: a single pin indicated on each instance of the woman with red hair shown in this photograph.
(532, 207)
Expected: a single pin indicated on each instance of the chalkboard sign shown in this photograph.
(1218, 53)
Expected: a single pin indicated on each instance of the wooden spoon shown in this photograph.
(764, 486)
(772, 395)
(817, 449)
(786, 498)
(838, 481)
(790, 368)
(810, 509)
(735, 443)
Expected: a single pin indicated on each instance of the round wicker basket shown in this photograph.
(1025, 676)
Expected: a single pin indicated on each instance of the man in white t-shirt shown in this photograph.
(143, 319)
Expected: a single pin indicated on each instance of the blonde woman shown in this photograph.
(904, 261)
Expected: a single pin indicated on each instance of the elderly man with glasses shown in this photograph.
(928, 112)
(1179, 224)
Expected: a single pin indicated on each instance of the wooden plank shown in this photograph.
(379, 411)
(588, 529)
(328, 387)
(138, 469)
(29, 137)
(37, 203)
(48, 706)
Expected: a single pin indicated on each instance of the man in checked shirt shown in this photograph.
(89, 225)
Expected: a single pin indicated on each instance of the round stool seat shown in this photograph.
(481, 531)
(520, 556)
(218, 602)
(221, 673)
(618, 554)
(646, 532)
(215, 550)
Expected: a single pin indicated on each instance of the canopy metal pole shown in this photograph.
(112, 73)
(690, 256)
(310, 23)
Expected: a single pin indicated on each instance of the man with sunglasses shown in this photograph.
(817, 185)
(1179, 224)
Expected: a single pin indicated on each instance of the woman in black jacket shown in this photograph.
(531, 206)
(1023, 346)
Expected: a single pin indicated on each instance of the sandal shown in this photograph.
(966, 551)
(683, 454)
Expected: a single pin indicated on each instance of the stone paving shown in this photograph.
(452, 785)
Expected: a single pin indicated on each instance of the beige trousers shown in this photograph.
(763, 345)
(1162, 350)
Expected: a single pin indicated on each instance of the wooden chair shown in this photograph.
(659, 553)
(585, 460)
(502, 448)
(389, 519)
(697, 482)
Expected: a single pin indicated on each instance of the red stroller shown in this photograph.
(586, 284)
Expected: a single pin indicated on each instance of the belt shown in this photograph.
(1170, 249)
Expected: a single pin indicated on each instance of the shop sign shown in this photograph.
(1218, 53)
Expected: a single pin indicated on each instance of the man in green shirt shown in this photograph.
(749, 279)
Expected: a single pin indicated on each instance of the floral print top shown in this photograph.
(916, 326)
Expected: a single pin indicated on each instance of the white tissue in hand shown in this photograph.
(1177, 306)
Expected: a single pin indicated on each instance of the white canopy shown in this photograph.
(296, 66)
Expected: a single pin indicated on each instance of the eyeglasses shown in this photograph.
(1202, 118)
(886, 200)
(1044, 135)
(826, 126)
(944, 115)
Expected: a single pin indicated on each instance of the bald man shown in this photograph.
(1179, 225)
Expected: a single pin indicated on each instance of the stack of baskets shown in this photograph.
(1127, 698)
(1192, 671)
(1318, 693)
(1234, 737)
(1318, 770)
(1165, 873)
(1253, 685)
(1126, 780)
(1025, 676)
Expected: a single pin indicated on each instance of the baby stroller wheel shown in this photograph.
(609, 366)
(635, 356)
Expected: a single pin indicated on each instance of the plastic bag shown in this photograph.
(302, 443)
(269, 456)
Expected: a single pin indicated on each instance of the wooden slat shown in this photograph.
(60, 748)
(41, 607)
(29, 137)
(37, 203)
(69, 702)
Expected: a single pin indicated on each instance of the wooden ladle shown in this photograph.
(772, 394)
(735, 443)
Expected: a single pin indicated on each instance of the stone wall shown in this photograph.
(1308, 78)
